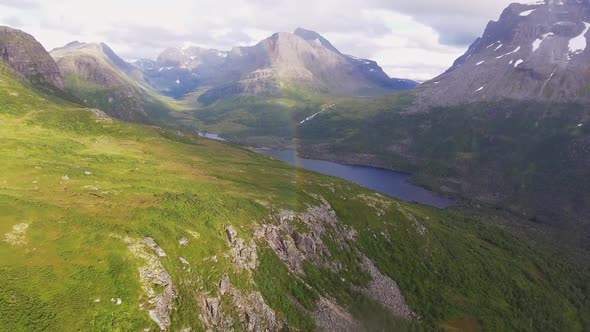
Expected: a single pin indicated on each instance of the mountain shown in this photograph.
(506, 126)
(109, 225)
(535, 52)
(101, 79)
(138, 228)
(28, 58)
(178, 72)
(303, 60)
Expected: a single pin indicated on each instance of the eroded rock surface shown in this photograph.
(295, 246)
(386, 291)
(28, 58)
(248, 308)
(155, 280)
(244, 254)
(331, 317)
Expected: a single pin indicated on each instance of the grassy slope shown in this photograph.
(529, 157)
(259, 120)
(159, 184)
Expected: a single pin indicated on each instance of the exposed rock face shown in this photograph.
(151, 274)
(253, 313)
(386, 291)
(28, 58)
(100, 78)
(244, 255)
(294, 247)
(330, 317)
(534, 52)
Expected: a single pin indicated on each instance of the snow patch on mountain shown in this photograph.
(527, 12)
(537, 42)
(509, 53)
(579, 43)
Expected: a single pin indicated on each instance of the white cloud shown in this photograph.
(417, 39)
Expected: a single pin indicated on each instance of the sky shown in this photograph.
(416, 39)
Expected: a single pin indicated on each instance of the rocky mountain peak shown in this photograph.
(118, 61)
(314, 36)
(113, 79)
(27, 57)
(535, 51)
(190, 57)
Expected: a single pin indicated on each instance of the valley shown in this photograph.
(288, 186)
(88, 190)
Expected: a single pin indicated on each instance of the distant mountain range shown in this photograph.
(303, 59)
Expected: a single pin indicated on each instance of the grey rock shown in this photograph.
(117, 81)
(534, 52)
(294, 247)
(152, 273)
(28, 58)
(386, 291)
(183, 242)
(244, 254)
(330, 316)
(152, 244)
(252, 312)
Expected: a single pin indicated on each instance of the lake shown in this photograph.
(390, 183)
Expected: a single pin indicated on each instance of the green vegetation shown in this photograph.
(261, 120)
(528, 157)
(73, 184)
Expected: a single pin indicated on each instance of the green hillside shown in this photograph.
(527, 157)
(104, 224)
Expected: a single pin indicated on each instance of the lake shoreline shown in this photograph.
(387, 181)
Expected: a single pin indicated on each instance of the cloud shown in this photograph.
(19, 3)
(458, 22)
(395, 33)
(13, 21)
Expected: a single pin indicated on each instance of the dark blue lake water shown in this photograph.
(391, 183)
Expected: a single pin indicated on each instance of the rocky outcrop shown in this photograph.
(156, 282)
(28, 58)
(331, 317)
(248, 310)
(536, 51)
(386, 291)
(294, 246)
(244, 255)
